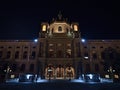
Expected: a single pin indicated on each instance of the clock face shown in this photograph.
(44, 27)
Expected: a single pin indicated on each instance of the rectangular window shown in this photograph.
(87, 68)
(96, 68)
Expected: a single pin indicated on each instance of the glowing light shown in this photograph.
(75, 27)
(116, 76)
(86, 57)
(107, 76)
(12, 76)
(36, 40)
(91, 76)
(28, 76)
(83, 40)
(44, 28)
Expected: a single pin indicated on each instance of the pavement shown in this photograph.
(39, 80)
(75, 84)
(59, 85)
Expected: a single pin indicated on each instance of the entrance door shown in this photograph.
(70, 73)
(49, 72)
(60, 73)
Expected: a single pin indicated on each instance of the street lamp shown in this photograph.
(111, 71)
(8, 70)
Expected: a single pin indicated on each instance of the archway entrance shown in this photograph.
(59, 72)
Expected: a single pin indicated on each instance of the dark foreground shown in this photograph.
(64, 85)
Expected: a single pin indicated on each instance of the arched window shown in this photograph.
(17, 55)
(51, 53)
(25, 55)
(59, 28)
(22, 67)
(33, 54)
(31, 68)
(44, 28)
(94, 56)
(75, 27)
(68, 53)
(8, 54)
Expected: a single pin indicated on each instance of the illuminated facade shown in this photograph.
(59, 52)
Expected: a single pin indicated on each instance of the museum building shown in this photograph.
(58, 52)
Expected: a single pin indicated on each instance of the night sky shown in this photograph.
(98, 19)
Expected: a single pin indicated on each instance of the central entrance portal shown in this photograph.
(59, 72)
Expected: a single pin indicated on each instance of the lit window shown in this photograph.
(116, 76)
(75, 27)
(44, 28)
(59, 44)
(68, 53)
(107, 76)
(50, 44)
(50, 49)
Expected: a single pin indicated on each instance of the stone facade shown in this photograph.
(58, 51)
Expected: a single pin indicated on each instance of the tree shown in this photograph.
(117, 63)
(111, 61)
(4, 64)
(110, 57)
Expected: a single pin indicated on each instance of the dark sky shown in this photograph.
(98, 19)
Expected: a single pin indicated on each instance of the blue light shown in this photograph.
(36, 40)
(83, 40)
(91, 76)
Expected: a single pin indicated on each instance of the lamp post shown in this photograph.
(111, 72)
(8, 70)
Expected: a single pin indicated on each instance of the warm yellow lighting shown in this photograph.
(75, 27)
(12, 76)
(69, 51)
(50, 50)
(116, 76)
(69, 45)
(50, 44)
(44, 28)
